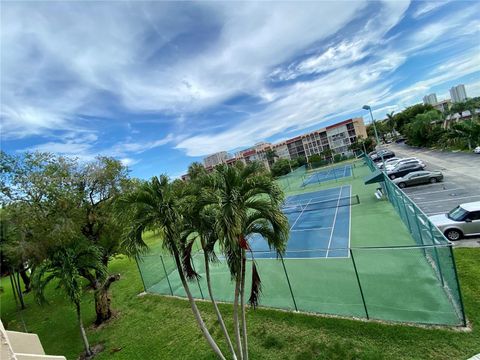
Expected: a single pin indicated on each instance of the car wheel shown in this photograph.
(392, 177)
(453, 234)
(402, 185)
(433, 180)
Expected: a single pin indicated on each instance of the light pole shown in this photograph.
(367, 107)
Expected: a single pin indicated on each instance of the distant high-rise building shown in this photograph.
(458, 93)
(430, 99)
(216, 159)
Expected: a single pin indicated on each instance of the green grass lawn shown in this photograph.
(156, 327)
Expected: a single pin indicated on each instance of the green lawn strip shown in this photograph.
(157, 327)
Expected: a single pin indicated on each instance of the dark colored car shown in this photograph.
(386, 154)
(419, 177)
(403, 169)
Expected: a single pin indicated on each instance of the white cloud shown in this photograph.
(426, 7)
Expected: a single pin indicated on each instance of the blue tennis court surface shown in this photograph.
(319, 225)
(328, 174)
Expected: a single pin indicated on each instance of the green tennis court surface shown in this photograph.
(401, 280)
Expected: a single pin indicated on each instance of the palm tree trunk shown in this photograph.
(215, 306)
(242, 307)
(236, 324)
(195, 310)
(88, 351)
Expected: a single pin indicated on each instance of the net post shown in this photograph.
(165, 270)
(198, 281)
(359, 284)
(288, 281)
(436, 255)
(462, 308)
(140, 272)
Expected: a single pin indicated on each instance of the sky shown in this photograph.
(159, 85)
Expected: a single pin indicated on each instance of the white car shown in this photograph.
(477, 150)
(388, 162)
(462, 221)
(393, 165)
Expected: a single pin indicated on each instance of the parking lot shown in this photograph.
(460, 185)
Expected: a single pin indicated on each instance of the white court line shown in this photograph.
(300, 214)
(345, 171)
(413, 194)
(453, 198)
(316, 229)
(334, 220)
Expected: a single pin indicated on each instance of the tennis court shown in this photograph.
(319, 225)
(328, 175)
(371, 260)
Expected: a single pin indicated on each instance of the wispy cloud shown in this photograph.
(202, 77)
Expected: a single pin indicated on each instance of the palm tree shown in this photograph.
(200, 226)
(247, 202)
(156, 205)
(65, 265)
(391, 122)
(468, 131)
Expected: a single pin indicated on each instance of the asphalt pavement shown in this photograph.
(461, 182)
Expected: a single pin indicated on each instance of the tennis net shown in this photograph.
(318, 205)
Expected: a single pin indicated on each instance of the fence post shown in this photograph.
(436, 254)
(165, 270)
(359, 284)
(141, 275)
(406, 216)
(464, 320)
(288, 281)
(198, 281)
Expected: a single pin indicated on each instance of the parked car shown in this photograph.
(411, 160)
(387, 162)
(477, 150)
(419, 177)
(461, 221)
(404, 169)
(386, 154)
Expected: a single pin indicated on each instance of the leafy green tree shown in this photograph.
(280, 167)
(157, 205)
(195, 170)
(423, 131)
(248, 202)
(464, 133)
(43, 188)
(65, 266)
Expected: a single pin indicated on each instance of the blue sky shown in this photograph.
(159, 85)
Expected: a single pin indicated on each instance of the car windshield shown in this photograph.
(457, 214)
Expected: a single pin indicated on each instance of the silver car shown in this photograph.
(464, 220)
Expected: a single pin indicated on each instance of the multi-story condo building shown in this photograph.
(430, 99)
(215, 159)
(337, 137)
(458, 93)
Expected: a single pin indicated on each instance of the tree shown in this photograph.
(466, 132)
(271, 155)
(281, 167)
(42, 188)
(423, 131)
(391, 122)
(65, 266)
(199, 225)
(327, 153)
(248, 202)
(195, 170)
(156, 205)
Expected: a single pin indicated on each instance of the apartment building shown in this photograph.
(430, 99)
(458, 93)
(216, 159)
(337, 137)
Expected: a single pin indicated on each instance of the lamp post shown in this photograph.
(369, 108)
